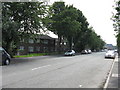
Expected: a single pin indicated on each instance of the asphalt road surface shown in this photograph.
(80, 71)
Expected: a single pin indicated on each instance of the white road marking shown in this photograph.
(114, 75)
(40, 67)
(80, 86)
(116, 60)
(108, 78)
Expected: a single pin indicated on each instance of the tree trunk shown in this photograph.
(8, 47)
(118, 44)
(59, 44)
(70, 43)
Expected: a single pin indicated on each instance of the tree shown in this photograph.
(81, 38)
(19, 19)
(116, 19)
(95, 41)
(53, 21)
(69, 22)
(86, 38)
(0, 24)
(63, 22)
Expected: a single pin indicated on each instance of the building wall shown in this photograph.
(36, 46)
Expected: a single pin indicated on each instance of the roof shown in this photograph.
(48, 34)
(45, 37)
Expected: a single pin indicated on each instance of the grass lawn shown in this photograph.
(36, 54)
(31, 55)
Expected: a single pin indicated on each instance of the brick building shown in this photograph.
(41, 44)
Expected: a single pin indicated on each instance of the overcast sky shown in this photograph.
(98, 14)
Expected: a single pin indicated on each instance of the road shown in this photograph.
(80, 71)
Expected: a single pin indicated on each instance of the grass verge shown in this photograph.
(36, 54)
(30, 55)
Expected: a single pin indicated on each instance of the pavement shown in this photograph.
(114, 79)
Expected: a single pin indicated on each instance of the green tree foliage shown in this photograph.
(69, 22)
(19, 19)
(63, 21)
(86, 38)
(95, 41)
(53, 20)
(80, 40)
(116, 19)
(0, 24)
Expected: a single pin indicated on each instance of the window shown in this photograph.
(37, 48)
(45, 49)
(45, 41)
(52, 42)
(56, 43)
(52, 49)
(31, 41)
(21, 48)
(38, 40)
(30, 49)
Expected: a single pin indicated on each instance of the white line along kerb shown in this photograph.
(108, 78)
(40, 67)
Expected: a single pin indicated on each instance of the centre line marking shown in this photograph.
(40, 67)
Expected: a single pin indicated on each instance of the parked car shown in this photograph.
(116, 51)
(84, 52)
(5, 57)
(110, 54)
(70, 53)
(89, 51)
(102, 50)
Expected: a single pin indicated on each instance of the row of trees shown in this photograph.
(116, 19)
(69, 22)
(21, 18)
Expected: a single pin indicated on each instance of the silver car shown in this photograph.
(84, 52)
(89, 51)
(110, 54)
(70, 53)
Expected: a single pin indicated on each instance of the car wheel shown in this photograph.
(113, 57)
(7, 62)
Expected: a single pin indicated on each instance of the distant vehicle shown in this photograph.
(116, 51)
(89, 51)
(110, 54)
(5, 57)
(70, 53)
(102, 50)
(84, 52)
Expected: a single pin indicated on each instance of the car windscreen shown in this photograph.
(110, 52)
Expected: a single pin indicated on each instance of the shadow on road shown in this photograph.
(35, 58)
(31, 59)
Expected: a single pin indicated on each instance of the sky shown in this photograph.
(98, 14)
